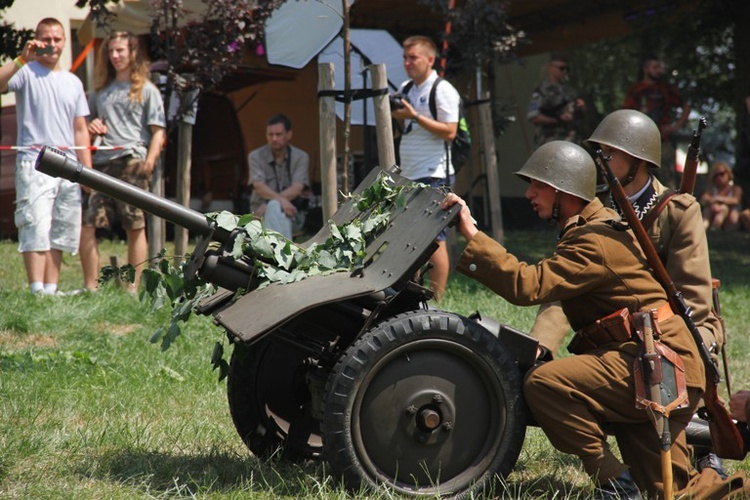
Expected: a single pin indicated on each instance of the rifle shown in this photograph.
(690, 170)
(725, 437)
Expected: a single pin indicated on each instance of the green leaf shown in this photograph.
(226, 220)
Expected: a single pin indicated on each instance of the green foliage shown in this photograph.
(275, 259)
(701, 48)
(11, 39)
(480, 34)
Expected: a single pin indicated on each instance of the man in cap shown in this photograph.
(555, 108)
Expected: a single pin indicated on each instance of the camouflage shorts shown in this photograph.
(101, 211)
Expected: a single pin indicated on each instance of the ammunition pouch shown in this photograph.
(669, 374)
(615, 327)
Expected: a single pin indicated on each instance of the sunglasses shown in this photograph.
(720, 174)
(561, 67)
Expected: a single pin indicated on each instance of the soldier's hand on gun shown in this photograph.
(738, 405)
(467, 226)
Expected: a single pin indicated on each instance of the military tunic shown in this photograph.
(597, 269)
(553, 99)
(680, 240)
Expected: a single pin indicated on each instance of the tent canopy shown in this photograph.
(367, 47)
(297, 31)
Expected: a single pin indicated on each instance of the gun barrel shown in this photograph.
(55, 163)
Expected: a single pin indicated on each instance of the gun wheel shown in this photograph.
(268, 400)
(428, 403)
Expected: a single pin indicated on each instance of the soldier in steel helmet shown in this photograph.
(597, 269)
(633, 141)
(673, 221)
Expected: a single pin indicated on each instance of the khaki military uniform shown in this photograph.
(553, 99)
(680, 239)
(598, 269)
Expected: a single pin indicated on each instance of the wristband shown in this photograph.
(416, 117)
(20, 61)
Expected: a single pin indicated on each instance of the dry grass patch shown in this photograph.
(15, 341)
(116, 330)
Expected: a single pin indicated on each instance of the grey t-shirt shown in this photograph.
(47, 102)
(128, 122)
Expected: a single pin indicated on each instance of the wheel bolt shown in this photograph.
(430, 419)
(447, 426)
(437, 399)
(411, 409)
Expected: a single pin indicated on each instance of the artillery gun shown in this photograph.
(355, 367)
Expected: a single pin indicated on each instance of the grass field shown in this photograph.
(90, 409)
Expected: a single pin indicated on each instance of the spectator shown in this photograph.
(423, 153)
(596, 271)
(555, 108)
(279, 173)
(659, 100)
(51, 110)
(126, 112)
(722, 199)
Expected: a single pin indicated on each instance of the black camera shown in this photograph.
(47, 49)
(397, 101)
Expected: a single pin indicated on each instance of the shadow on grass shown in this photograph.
(206, 473)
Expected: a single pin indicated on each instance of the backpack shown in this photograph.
(460, 148)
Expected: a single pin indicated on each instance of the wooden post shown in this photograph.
(383, 123)
(327, 125)
(156, 226)
(489, 158)
(184, 151)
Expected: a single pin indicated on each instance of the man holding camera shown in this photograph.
(51, 109)
(423, 153)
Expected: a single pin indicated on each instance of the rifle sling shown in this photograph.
(653, 214)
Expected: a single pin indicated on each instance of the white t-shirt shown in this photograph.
(47, 102)
(422, 153)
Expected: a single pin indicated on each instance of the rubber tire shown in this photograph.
(265, 392)
(370, 373)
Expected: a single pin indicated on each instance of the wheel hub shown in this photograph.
(428, 414)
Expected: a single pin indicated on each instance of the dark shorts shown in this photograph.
(437, 182)
(101, 211)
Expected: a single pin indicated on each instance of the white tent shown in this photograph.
(298, 30)
(367, 47)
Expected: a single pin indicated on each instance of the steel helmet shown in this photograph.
(632, 132)
(563, 165)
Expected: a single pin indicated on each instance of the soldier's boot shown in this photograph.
(621, 487)
(711, 461)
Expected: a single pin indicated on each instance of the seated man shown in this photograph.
(278, 175)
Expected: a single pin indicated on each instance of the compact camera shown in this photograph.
(47, 49)
(397, 101)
